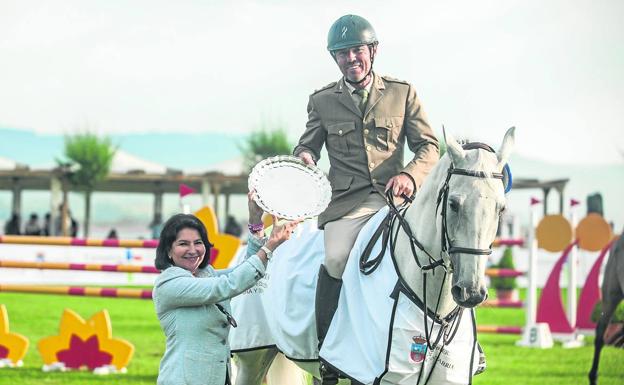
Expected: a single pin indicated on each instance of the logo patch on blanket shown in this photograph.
(418, 350)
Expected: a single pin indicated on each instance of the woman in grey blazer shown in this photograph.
(192, 299)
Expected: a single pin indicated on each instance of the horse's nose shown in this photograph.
(468, 296)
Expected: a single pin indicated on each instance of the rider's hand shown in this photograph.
(281, 232)
(400, 184)
(306, 157)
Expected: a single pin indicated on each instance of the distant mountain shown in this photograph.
(183, 151)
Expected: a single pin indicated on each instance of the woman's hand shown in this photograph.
(255, 212)
(281, 232)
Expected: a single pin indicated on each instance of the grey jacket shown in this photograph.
(366, 149)
(197, 351)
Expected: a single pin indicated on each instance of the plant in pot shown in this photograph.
(506, 287)
(614, 335)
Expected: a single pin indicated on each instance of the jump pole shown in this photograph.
(68, 241)
(534, 334)
(575, 340)
(79, 266)
(78, 290)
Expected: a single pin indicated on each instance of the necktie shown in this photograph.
(363, 94)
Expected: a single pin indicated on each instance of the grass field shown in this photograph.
(37, 315)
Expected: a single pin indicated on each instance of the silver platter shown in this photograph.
(288, 188)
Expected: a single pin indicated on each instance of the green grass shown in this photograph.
(37, 315)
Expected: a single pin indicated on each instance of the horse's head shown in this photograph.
(471, 201)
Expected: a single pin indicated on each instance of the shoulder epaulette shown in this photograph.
(330, 85)
(393, 80)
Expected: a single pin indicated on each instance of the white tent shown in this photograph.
(8, 164)
(124, 162)
(233, 166)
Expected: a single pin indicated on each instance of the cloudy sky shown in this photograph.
(554, 69)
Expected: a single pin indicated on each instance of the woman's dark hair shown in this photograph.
(169, 234)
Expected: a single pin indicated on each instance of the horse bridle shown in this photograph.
(397, 213)
(443, 198)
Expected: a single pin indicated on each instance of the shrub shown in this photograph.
(506, 262)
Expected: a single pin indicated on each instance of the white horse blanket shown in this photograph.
(279, 310)
(377, 334)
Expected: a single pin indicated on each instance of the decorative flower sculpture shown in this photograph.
(13, 346)
(83, 343)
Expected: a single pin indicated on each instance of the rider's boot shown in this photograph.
(327, 295)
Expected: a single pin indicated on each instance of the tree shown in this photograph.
(263, 143)
(90, 158)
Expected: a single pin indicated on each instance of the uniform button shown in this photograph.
(390, 125)
(340, 132)
(224, 325)
(371, 165)
(368, 147)
(374, 180)
(222, 342)
(366, 131)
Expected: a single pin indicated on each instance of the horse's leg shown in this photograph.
(598, 343)
(611, 297)
(253, 366)
(612, 293)
(284, 371)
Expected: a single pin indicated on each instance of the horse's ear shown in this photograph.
(505, 149)
(454, 149)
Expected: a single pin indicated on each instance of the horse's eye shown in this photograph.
(502, 210)
(454, 205)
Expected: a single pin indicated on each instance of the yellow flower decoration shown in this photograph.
(85, 343)
(13, 346)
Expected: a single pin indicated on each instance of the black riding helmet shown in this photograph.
(351, 31)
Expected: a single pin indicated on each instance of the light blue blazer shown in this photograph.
(197, 351)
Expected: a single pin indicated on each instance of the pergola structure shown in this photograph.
(546, 186)
(210, 185)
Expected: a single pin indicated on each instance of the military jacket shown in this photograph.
(366, 149)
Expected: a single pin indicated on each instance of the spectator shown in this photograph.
(156, 226)
(112, 234)
(46, 224)
(232, 227)
(12, 227)
(32, 226)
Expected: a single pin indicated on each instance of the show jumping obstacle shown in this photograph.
(68, 241)
(84, 291)
(79, 266)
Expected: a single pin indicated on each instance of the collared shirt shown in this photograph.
(355, 97)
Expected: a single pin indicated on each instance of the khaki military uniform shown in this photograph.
(366, 149)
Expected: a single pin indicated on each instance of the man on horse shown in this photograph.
(363, 119)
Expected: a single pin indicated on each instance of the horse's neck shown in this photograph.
(424, 223)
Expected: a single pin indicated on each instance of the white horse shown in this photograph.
(436, 254)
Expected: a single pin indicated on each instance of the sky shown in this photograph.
(554, 69)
